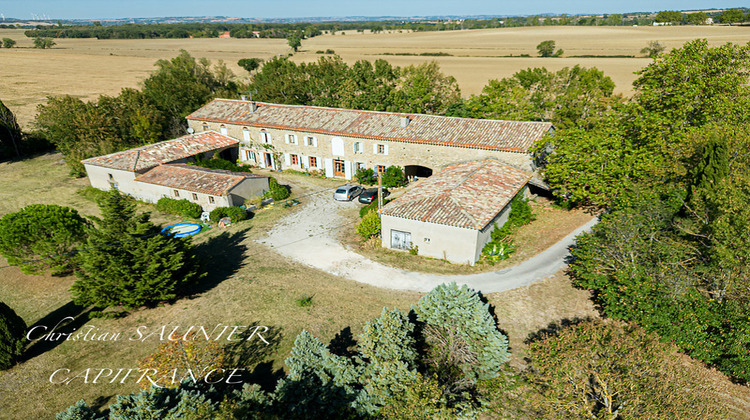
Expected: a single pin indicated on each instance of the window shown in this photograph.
(111, 178)
(380, 149)
(265, 138)
(223, 129)
(246, 134)
(195, 196)
(250, 155)
(291, 138)
(313, 162)
(379, 169)
(311, 141)
(358, 147)
(205, 127)
(176, 193)
(210, 199)
(295, 159)
(361, 166)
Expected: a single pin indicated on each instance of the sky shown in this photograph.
(93, 9)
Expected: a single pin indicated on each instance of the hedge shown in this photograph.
(179, 207)
(234, 213)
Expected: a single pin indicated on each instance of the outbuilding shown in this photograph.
(451, 214)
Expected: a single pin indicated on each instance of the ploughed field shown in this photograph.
(89, 67)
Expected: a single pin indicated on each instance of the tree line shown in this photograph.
(670, 167)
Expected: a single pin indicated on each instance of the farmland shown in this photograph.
(87, 68)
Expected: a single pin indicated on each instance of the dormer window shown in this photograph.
(205, 126)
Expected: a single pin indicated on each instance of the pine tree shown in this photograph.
(466, 345)
(12, 341)
(79, 411)
(126, 261)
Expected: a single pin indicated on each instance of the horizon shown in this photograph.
(333, 9)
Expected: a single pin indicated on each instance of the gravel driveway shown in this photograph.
(309, 237)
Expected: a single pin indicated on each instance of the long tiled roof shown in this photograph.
(145, 157)
(513, 136)
(467, 195)
(194, 179)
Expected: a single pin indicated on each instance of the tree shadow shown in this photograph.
(65, 319)
(343, 343)
(250, 350)
(554, 328)
(221, 257)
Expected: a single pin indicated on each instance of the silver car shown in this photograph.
(347, 192)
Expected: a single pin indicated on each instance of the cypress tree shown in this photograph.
(126, 261)
(12, 341)
(712, 167)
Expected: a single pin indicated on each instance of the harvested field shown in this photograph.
(90, 67)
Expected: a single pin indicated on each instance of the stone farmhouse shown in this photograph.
(338, 142)
(158, 170)
(451, 214)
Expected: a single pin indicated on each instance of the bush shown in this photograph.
(179, 207)
(370, 225)
(371, 207)
(40, 237)
(277, 192)
(12, 340)
(501, 246)
(236, 214)
(394, 177)
(366, 176)
(218, 163)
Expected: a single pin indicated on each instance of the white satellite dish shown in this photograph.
(190, 130)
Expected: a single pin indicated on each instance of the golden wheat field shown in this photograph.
(88, 67)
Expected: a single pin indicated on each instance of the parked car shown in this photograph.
(371, 194)
(347, 192)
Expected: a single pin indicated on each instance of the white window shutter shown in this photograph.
(347, 170)
(329, 168)
(246, 136)
(287, 160)
(286, 139)
(223, 130)
(385, 149)
(374, 149)
(315, 141)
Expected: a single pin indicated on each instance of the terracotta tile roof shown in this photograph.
(513, 136)
(194, 178)
(467, 195)
(145, 157)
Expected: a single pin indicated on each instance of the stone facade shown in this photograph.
(292, 149)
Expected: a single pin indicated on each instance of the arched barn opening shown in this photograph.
(417, 171)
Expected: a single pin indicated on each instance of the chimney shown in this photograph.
(404, 122)
(253, 106)
(243, 97)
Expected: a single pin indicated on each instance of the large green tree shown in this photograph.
(571, 97)
(12, 336)
(127, 262)
(42, 237)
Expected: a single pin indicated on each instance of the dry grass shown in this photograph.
(90, 67)
(551, 225)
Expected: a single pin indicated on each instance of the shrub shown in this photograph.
(366, 176)
(372, 207)
(370, 225)
(218, 163)
(394, 177)
(236, 214)
(304, 301)
(501, 246)
(12, 340)
(41, 236)
(276, 191)
(179, 207)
